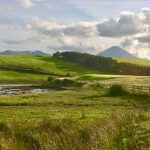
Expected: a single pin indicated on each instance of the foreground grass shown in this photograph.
(120, 132)
(75, 118)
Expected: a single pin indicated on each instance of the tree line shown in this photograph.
(102, 64)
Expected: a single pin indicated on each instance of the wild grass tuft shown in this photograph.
(27, 139)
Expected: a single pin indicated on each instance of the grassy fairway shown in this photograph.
(140, 62)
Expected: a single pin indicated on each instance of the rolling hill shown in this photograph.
(28, 68)
(116, 52)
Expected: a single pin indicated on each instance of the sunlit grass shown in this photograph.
(140, 62)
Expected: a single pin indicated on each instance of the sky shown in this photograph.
(89, 26)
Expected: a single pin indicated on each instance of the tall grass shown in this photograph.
(117, 132)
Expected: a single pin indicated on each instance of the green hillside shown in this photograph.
(26, 68)
(33, 69)
(140, 62)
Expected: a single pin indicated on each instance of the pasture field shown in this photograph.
(140, 62)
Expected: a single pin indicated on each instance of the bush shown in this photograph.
(50, 79)
(117, 90)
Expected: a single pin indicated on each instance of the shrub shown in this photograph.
(117, 90)
(50, 79)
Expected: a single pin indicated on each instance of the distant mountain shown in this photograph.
(116, 52)
(10, 52)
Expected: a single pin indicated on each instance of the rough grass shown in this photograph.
(120, 132)
(75, 118)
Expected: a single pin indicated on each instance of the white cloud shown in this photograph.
(127, 24)
(52, 29)
(26, 3)
(138, 46)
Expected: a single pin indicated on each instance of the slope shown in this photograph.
(27, 68)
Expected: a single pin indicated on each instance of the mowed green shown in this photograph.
(140, 62)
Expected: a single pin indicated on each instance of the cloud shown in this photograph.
(139, 46)
(146, 15)
(127, 24)
(75, 37)
(26, 3)
(52, 29)
(144, 39)
(77, 48)
(11, 42)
